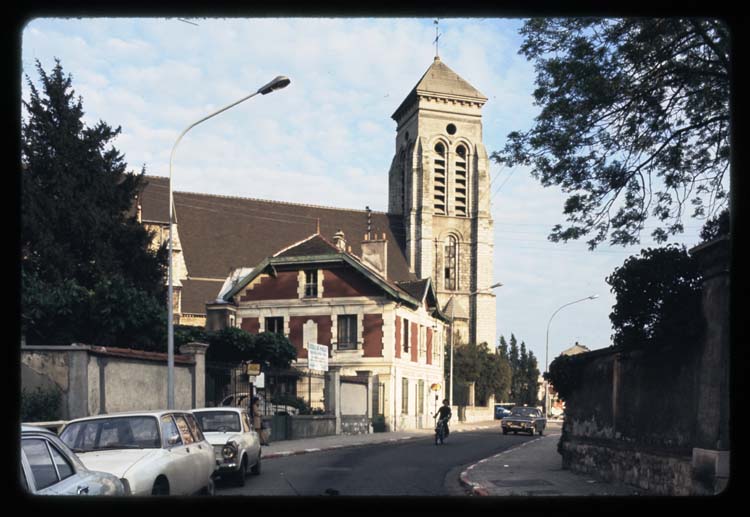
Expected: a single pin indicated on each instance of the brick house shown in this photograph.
(315, 291)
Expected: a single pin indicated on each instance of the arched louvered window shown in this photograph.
(460, 185)
(439, 184)
(450, 278)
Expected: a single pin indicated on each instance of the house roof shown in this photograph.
(439, 80)
(220, 234)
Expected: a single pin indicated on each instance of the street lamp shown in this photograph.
(276, 84)
(546, 353)
(453, 312)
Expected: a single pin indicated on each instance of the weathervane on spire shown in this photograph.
(437, 37)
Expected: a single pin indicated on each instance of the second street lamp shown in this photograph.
(276, 84)
(452, 336)
(546, 350)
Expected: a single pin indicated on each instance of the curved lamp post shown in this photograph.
(453, 311)
(276, 84)
(546, 347)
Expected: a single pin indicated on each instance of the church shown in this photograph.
(383, 291)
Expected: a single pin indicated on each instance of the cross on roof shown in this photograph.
(437, 37)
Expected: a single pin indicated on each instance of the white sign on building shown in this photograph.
(317, 357)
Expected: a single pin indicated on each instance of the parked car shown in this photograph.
(49, 467)
(501, 412)
(267, 408)
(525, 419)
(235, 442)
(153, 452)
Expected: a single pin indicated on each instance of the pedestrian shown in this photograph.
(258, 420)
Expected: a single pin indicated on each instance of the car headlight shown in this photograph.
(229, 451)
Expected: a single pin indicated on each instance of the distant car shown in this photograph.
(501, 412)
(49, 467)
(524, 419)
(235, 442)
(153, 452)
(267, 408)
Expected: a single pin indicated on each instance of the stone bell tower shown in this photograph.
(439, 183)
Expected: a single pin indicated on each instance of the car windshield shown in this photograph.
(219, 421)
(523, 411)
(133, 432)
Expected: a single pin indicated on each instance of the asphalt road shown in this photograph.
(415, 467)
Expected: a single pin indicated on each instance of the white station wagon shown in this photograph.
(236, 444)
(152, 452)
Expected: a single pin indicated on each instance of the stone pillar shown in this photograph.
(367, 374)
(333, 394)
(711, 452)
(198, 351)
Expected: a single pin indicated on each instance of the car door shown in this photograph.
(178, 468)
(195, 458)
(206, 449)
(50, 471)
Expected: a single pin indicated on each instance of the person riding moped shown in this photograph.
(445, 415)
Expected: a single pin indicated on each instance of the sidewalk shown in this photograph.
(532, 468)
(322, 443)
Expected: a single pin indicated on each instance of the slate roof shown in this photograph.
(439, 80)
(416, 289)
(220, 234)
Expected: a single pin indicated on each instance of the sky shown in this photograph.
(328, 138)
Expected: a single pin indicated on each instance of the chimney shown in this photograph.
(375, 254)
(339, 239)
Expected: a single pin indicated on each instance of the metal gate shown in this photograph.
(227, 384)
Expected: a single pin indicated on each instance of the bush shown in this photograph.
(40, 405)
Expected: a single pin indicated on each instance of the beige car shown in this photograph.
(152, 452)
(235, 442)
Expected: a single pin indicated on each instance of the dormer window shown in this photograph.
(311, 283)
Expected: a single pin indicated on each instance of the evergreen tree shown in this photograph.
(515, 360)
(87, 271)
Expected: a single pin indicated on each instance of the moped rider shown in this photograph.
(445, 415)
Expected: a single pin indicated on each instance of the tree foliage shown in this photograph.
(658, 300)
(489, 372)
(87, 270)
(233, 345)
(634, 122)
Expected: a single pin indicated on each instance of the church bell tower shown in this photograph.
(439, 184)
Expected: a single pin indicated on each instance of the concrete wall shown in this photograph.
(95, 380)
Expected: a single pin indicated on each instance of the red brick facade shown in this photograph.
(372, 333)
(296, 333)
(283, 287)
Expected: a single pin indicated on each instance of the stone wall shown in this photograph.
(659, 420)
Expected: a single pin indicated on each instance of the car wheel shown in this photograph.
(239, 479)
(210, 488)
(255, 470)
(161, 487)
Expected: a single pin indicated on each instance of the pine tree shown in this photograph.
(87, 271)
